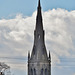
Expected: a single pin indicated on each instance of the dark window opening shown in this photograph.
(46, 73)
(34, 71)
(31, 72)
(41, 71)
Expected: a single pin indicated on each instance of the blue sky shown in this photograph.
(17, 23)
(27, 7)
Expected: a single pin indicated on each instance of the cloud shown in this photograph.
(60, 39)
(17, 34)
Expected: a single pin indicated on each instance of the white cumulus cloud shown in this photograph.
(17, 34)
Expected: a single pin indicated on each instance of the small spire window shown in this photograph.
(38, 36)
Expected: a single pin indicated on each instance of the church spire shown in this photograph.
(39, 44)
(39, 53)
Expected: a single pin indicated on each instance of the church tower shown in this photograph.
(39, 63)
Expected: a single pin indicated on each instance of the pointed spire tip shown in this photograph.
(39, 4)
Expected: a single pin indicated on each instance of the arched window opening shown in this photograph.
(34, 71)
(41, 71)
(46, 73)
(31, 72)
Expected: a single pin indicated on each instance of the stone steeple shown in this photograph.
(39, 45)
(39, 62)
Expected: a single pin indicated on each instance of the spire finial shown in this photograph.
(39, 24)
(39, 5)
